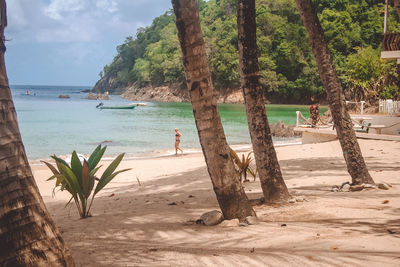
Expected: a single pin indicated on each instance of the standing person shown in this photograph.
(177, 141)
(314, 115)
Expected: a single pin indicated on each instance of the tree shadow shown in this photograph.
(153, 224)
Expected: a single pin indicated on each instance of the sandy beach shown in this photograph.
(152, 224)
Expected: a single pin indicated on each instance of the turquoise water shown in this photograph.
(50, 125)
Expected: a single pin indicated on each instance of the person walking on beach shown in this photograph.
(177, 141)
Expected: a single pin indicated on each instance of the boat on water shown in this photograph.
(101, 106)
(64, 96)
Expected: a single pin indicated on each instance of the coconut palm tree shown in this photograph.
(344, 127)
(28, 236)
(228, 189)
(272, 183)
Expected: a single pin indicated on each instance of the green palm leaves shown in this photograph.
(243, 164)
(79, 178)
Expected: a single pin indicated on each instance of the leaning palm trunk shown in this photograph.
(230, 194)
(28, 236)
(272, 183)
(341, 118)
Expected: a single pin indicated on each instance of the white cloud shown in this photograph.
(60, 9)
(70, 21)
(79, 20)
(17, 18)
(80, 34)
(57, 9)
(110, 6)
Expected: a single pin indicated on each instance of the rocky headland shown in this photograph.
(174, 93)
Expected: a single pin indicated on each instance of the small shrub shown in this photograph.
(243, 165)
(390, 92)
(79, 178)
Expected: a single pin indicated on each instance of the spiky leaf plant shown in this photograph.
(79, 178)
(243, 164)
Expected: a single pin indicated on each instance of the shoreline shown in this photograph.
(168, 153)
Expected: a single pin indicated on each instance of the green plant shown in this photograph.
(390, 92)
(243, 164)
(79, 178)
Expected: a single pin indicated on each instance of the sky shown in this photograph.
(68, 42)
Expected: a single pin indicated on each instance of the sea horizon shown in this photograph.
(49, 85)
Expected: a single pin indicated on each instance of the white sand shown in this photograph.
(135, 226)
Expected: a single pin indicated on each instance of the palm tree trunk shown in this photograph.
(230, 193)
(272, 183)
(28, 236)
(344, 127)
(396, 4)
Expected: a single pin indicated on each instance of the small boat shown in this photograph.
(132, 106)
(64, 96)
(141, 104)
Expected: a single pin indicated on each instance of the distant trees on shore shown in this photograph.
(353, 30)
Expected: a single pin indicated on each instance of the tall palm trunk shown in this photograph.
(341, 118)
(396, 4)
(272, 183)
(230, 194)
(28, 236)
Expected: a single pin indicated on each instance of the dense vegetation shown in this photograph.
(353, 29)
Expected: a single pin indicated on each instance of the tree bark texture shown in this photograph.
(272, 183)
(397, 7)
(344, 127)
(228, 189)
(28, 236)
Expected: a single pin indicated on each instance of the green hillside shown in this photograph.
(353, 29)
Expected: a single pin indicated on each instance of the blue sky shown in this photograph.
(67, 42)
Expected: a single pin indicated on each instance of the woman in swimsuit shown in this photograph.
(177, 141)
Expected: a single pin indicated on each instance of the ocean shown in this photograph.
(51, 125)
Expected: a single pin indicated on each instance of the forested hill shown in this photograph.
(353, 29)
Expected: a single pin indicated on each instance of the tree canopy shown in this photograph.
(353, 29)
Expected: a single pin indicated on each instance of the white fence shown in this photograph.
(389, 106)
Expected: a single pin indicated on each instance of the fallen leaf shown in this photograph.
(385, 201)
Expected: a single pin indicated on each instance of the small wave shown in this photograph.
(171, 152)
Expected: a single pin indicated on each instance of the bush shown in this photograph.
(79, 178)
(389, 92)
